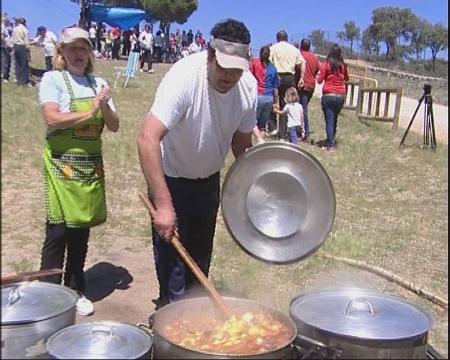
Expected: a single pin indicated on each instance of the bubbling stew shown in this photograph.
(249, 333)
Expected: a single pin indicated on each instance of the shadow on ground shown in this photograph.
(104, 278)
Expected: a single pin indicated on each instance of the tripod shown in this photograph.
(429, 135)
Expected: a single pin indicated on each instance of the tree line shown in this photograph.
(404, 34)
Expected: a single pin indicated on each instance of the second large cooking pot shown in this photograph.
(163, 348)
(32, 312)
(361, 324)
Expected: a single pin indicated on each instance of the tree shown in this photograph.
(317, 37)
(169, 11)
(393, 23)
(437, 40)
(350, 34)
(419, 37)
(370, 40)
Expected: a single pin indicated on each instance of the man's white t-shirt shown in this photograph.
(201, 121)
(49, 43)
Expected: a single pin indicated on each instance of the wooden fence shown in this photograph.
(380, 104)
(373, 103)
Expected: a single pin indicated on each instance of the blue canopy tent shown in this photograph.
(122, 17)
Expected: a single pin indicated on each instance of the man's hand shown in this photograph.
(165, 221)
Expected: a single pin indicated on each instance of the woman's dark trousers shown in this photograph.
(60, 240)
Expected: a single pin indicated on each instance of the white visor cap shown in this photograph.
(71, 34)
(231, 55)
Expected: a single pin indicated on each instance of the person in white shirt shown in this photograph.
(195, 47)
(47, 40)
(6, 45)
(92, 34)
(21, 45)
(205, 105)
(294, 111)
(146, 42)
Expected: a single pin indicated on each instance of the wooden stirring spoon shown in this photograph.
(191, 263)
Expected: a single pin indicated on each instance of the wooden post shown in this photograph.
(377, 108)
(359, 105)
(397, 109)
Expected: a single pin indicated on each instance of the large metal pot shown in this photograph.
(356, 323)
(163, 348)
(31, 313)
(100, 340)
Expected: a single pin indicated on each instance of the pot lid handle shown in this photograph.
(14, 295)
(351, 306)
(102, 329)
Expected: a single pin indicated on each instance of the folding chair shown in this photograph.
(130, 70)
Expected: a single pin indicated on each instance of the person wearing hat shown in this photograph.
(47, 40)
(205, 105)
(76, 106)
(7, 48)
(21, 46)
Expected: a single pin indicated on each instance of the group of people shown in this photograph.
(286, 78)
(110, 43)
(206, 104)
(15, 45)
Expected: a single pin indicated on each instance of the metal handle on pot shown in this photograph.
(307, 348)
(359, 300)
(13, 296)
(102, 329)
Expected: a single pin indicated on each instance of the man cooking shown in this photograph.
(205, 104)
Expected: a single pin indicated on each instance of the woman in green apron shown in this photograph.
(76, 106)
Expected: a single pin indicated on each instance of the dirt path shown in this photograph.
(440, 114)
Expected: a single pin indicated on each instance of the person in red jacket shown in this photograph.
(309, 82)
(333, 74)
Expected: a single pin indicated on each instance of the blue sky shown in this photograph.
(263, 17)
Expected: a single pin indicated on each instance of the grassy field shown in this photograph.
(392, 204)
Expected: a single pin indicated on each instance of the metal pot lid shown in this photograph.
(27, 302)
(359, 314)
(99, 340)
(278, 202)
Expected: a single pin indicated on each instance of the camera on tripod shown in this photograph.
(429, 135)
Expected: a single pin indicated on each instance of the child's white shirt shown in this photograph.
(294, 113)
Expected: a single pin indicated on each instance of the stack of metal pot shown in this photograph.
(31, 313)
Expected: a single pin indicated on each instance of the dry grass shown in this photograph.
(392, 205)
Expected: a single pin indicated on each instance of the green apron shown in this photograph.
(73, 169)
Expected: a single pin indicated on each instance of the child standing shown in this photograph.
(108, 45)
(294, 112)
